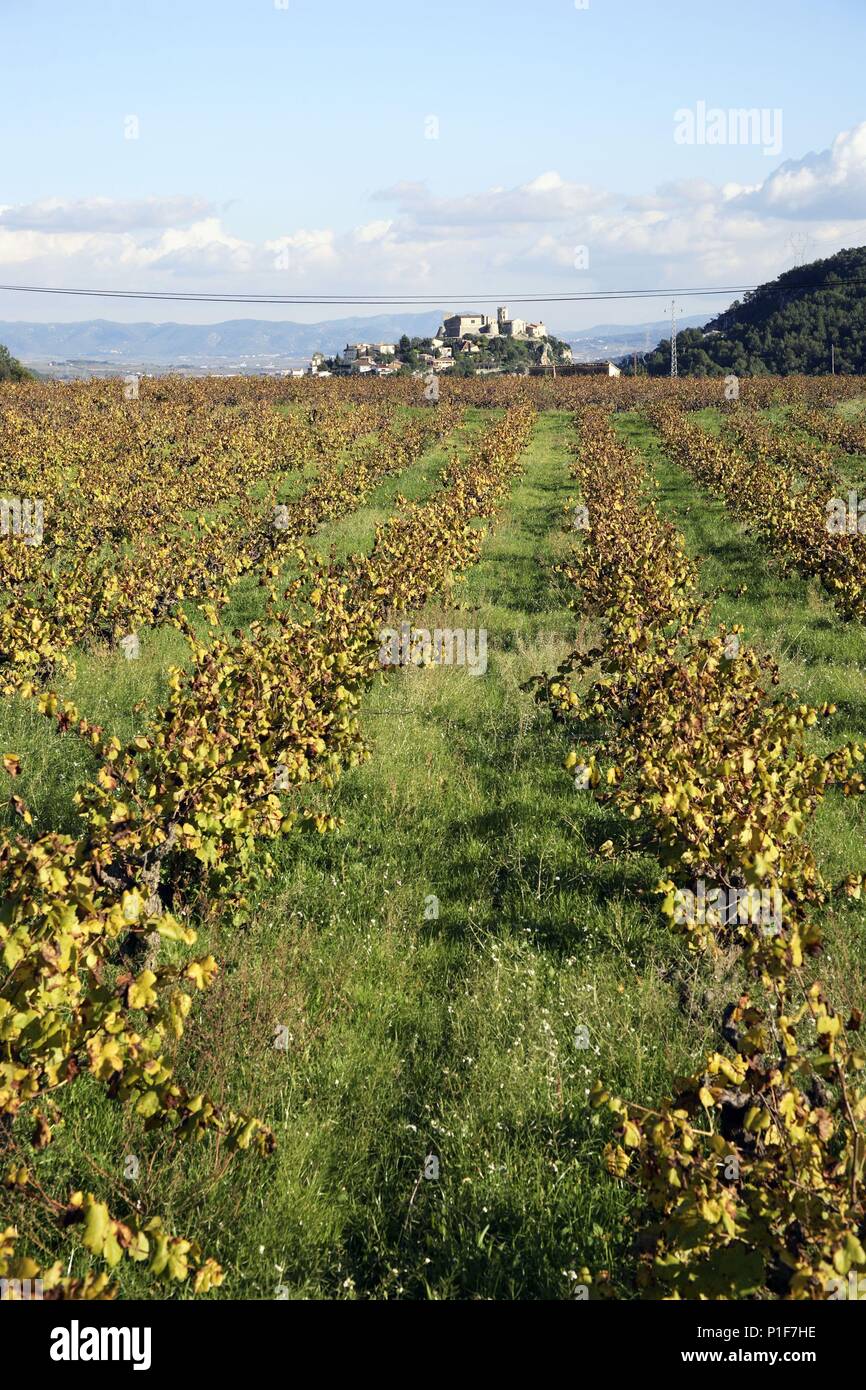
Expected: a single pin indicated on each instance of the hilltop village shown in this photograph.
(464, 343)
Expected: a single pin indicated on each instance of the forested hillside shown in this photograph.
(788, 325)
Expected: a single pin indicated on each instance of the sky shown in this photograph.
(452, 151)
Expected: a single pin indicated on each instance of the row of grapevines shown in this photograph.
(782, 445)
(848, 434)
(752, 1171)
(791, 518)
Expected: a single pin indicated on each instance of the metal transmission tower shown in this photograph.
(674, 371)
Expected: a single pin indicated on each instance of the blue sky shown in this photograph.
(282, 149)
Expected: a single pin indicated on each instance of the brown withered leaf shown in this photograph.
(825, 1124)
(41, 1137)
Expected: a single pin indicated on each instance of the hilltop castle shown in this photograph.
(484, 326)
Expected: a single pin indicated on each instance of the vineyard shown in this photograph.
(432, 839)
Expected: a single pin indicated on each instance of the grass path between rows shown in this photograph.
(430, 966)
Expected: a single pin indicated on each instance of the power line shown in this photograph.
(380, 300)
(189, 296)
(560, 297)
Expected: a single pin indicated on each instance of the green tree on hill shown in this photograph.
(10, 368)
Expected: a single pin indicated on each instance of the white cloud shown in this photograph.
(547, 198)
(102, 214)
(374, 231)
(831, 183)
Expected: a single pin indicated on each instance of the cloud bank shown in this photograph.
(548, 234)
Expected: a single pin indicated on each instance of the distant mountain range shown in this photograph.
(161, 343)
(264, 342)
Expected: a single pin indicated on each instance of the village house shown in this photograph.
(352, 351)
(603, 368)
